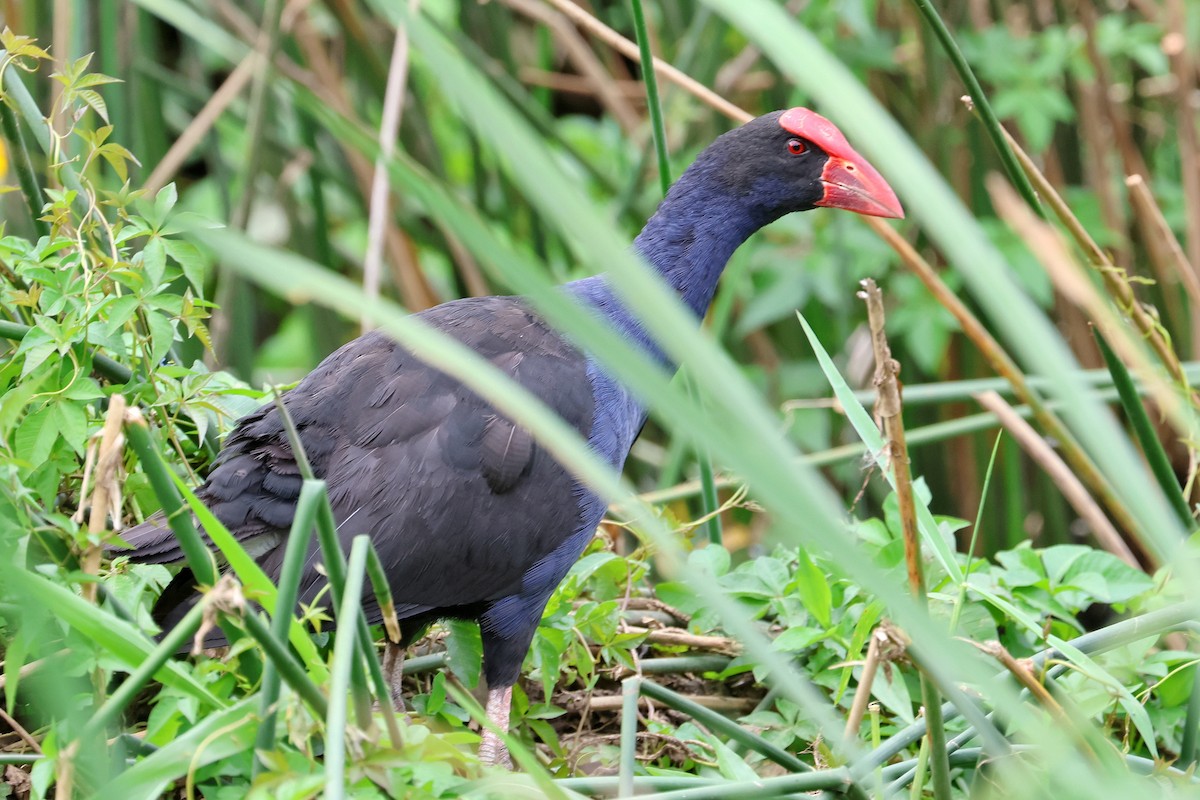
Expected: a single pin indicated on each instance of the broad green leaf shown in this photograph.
(117, 637)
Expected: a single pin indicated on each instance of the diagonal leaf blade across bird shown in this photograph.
(470, 517)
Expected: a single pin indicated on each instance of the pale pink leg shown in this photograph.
(492, 750)
(393, 670)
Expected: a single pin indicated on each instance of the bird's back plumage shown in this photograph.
(460, 503)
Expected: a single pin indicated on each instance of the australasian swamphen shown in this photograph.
(470, 517)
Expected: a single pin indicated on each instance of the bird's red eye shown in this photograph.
(796, 147)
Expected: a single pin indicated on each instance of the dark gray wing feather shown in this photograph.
(459, 501)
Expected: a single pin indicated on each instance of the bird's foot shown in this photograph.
(493, 752)
(393, 670)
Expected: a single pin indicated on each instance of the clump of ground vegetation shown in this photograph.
(979, 586)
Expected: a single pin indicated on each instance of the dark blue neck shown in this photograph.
(689, 240)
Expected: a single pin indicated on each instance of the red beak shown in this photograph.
(853, 184)
(850, 182)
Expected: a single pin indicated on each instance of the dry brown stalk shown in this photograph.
(630, 50)
(379, 207)
(414, 288)
(1165, 252)
(1004, 366)
(20, 731)
(1115, 280)
(888, 644)
(1020, 670)
(583, 58)
(1183, 68)
(106, 495)
(1071, 487)
(200, 125)
(1122, 132)
(574, 84)
(1073, 283)
(888, 409)
(1162, 243)
(675, 637)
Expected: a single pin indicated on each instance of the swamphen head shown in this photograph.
(793, 160)
(781, 162)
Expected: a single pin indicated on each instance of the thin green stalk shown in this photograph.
(828, 779)
(340, 673)
(722, 725)
(674, 665)
(918, 784)
(1191, 725)
(939, 760)
(286, 664)
(710, 502)
(1108, 638)
(383, 593)
(652, 100)
(199, 558)
(108, 368)
(1143, 428)
(335, 569)
(171, 644)
(234, 298)
(288, 587)
(335, 566)
(631, 692)
(964, 390)
(27, 109)
(961, 599)
(990, 123)
(382, 691)
(708, 496)
(20, 758)
(26, 177)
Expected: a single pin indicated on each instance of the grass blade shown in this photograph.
(339, 682)
(215, 738)
(1143, 428)
(281, 620)
(171, 644)
(199, 558)
(129, 645)
(990, 123)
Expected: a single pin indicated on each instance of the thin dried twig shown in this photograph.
(20, 731)
(1004, 366)
(380, 206)
(630, 50)
(888, 644)
(888, 408)
(1161, 242)
(1020, 670)
(1174, 44)
(584, 59)
(200, 125)
(1114, 278)
(107, 494)
(1073, 283)
(1066, 481)
(676, 637)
